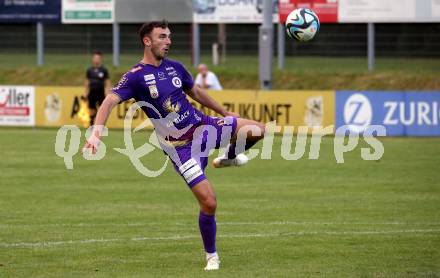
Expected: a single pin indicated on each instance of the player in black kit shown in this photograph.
(97, 83)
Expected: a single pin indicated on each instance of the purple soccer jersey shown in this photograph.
(163, 87)
(173, 116)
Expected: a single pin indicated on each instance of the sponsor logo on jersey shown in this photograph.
(178, 119)
(152, 82)
(177, 82)
(153, 91)
(161, 75)
(148, 77)
(171, 71)
(170, 107)
(197, 117)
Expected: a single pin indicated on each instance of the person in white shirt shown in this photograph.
(207, 79)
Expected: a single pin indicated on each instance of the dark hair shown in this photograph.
(148, 27)
(97, 52)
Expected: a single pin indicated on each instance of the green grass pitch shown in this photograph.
(276, 218)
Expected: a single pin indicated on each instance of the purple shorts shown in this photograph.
(191, 159)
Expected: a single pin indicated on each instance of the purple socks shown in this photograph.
(208, 229)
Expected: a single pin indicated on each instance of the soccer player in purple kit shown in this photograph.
(164, 84)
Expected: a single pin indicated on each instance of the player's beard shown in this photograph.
(158, 54)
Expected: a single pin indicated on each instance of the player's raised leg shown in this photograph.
(253, 131)
(207, 224)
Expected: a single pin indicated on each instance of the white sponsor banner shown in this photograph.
(436, 8)
(88, 11)
(17, 105)
(389, 11)
(231, 11)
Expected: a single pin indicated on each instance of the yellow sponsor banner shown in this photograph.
(57, 106)
(293, 108)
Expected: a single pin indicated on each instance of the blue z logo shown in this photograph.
(358, 106)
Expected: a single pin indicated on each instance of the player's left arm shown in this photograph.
(201, 96)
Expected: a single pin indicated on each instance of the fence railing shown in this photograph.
(403, 40)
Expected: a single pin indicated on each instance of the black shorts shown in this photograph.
(95, 99)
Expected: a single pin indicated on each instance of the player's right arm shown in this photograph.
(124, 90)
(110, 101)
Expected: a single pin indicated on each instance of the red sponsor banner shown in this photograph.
(327, 10)
(17, 105)
(14, 111)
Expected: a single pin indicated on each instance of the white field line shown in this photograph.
(281, 223)
(45, 244)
